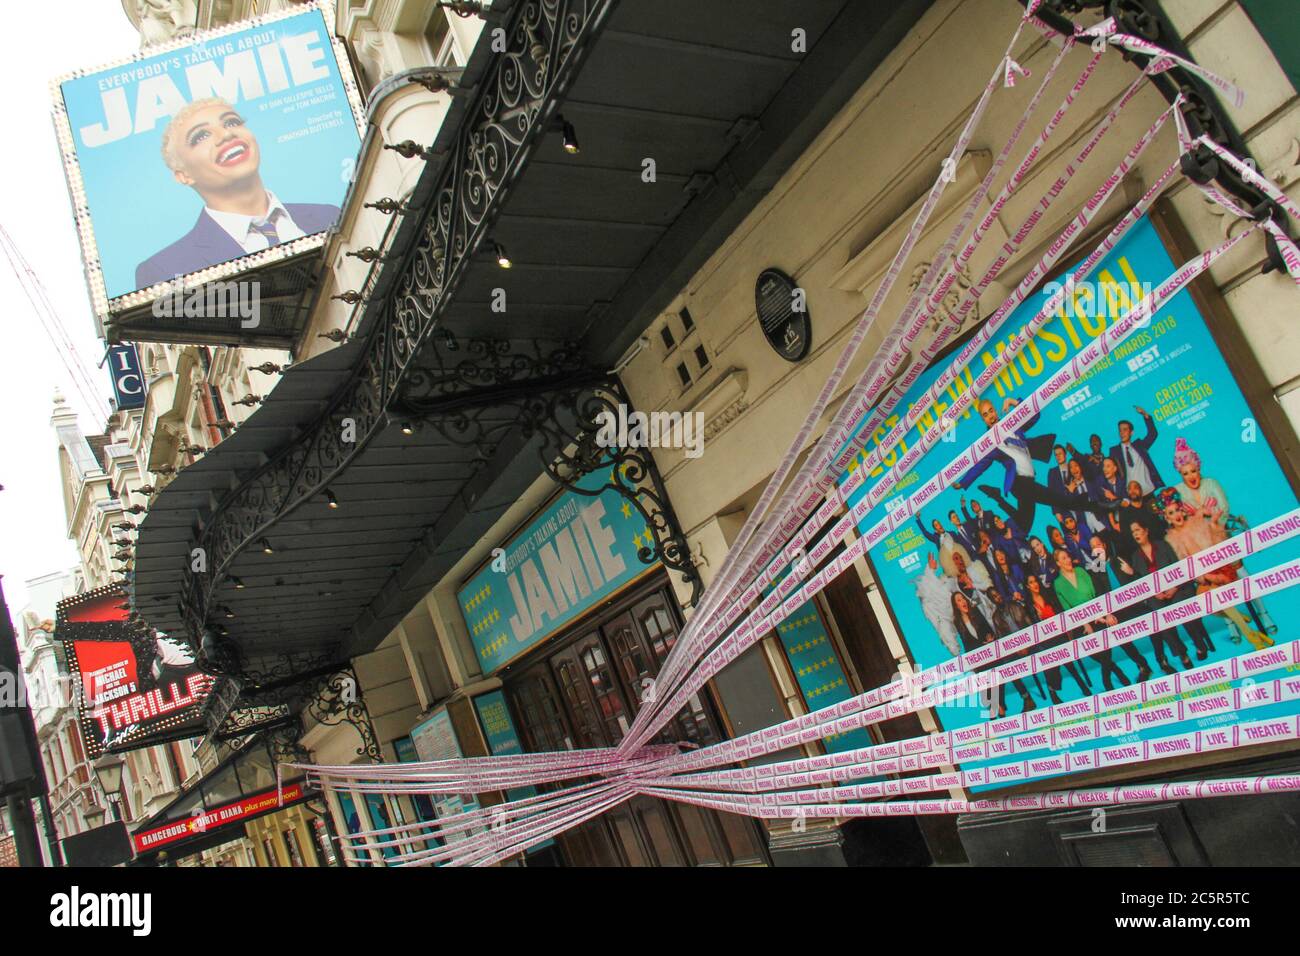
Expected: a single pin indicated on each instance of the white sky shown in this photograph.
(35, 210)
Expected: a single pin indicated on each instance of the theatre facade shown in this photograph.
(681, 222)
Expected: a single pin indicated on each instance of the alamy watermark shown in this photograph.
(1106, 296)
(620, 428)
(212, 300)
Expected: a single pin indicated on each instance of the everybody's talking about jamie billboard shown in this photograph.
(1154, 455)
(208, 156)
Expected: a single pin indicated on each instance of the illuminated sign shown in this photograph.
(135, 687)
(580, 550)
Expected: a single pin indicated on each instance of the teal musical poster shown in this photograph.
(1152, 456)
(577, 552)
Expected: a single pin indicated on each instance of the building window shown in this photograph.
(687, 322)
(684, 374)
(439, 40)
(667, 335)
(219, 411)
(702, 357)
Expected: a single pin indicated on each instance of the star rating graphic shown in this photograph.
(824, 662)
(488, 650)
(487, 621)
(825, 688)
(793, 624)
(479, 596)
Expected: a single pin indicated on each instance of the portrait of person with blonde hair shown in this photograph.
(209, 147)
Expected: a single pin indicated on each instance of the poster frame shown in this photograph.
(1278, 432)
(102, 305)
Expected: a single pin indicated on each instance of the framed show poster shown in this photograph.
(1156, 453)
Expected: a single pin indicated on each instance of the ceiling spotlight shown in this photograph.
(408, 428)
(239, 585)
(266, 547)
(570, 136)
(330, 499)
(499, 251)
(229, 613)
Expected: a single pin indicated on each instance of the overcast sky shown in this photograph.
(35, 211)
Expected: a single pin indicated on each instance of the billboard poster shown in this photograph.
(221, 152)
(580, 550)
(503, 740)
(1152, 456)
(818, 671)
(135, 688)
(435, 739)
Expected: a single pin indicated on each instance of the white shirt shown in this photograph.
(240, 227)
(1017, 450)
(1137, 468)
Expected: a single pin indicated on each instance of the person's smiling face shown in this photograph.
(216, 150)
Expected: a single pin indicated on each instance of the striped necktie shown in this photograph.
(267, 229)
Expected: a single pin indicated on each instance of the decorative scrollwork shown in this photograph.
(567, 415)
(545, 42)
(570, 454)
(243, 722)
(337, 700)
(284, 746)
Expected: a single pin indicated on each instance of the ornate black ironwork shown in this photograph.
(387, 206)
(283, 745)
(288, 670)
(545, 42)
(449, 372)
(571, 454)
(338, 700)
(242, 722)
(465, 404)
(1198, 103)
(410, 149)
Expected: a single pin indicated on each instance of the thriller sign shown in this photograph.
(133, 688)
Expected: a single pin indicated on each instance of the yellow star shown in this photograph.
(626, 509)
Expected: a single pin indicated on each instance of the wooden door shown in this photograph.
(640, 640)
(586, 695)
(541, 719)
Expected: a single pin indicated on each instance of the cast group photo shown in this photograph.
(1046, 523)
